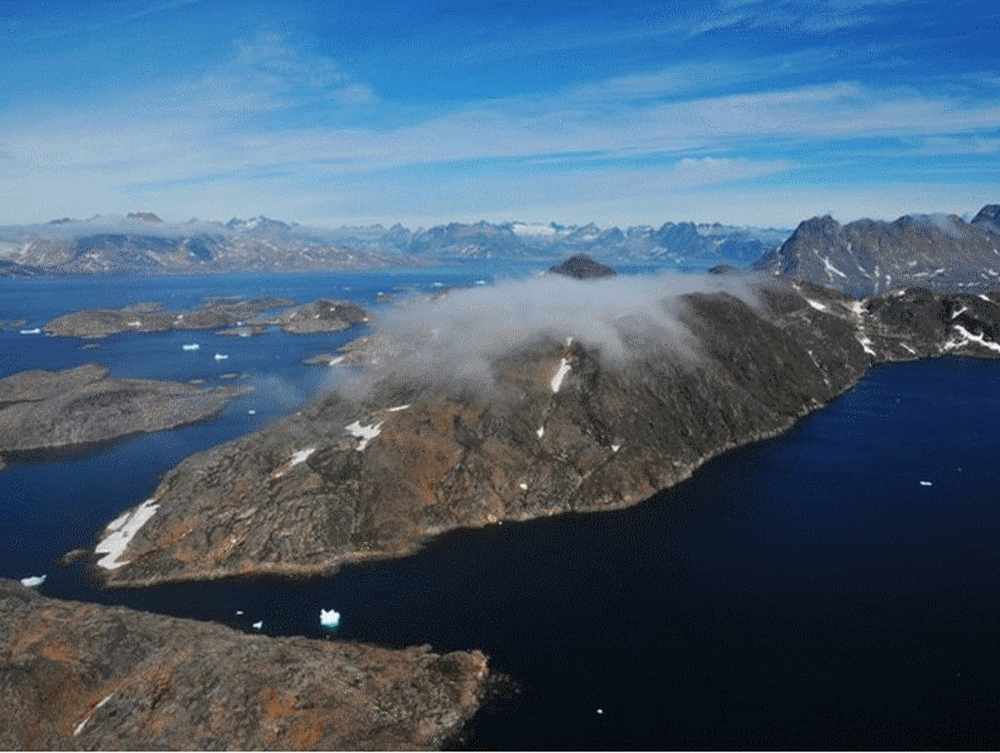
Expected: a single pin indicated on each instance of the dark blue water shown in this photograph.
(806, 592)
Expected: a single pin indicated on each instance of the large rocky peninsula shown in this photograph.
(238, 316)
(550, 424)
(77, 676)
(51, 409)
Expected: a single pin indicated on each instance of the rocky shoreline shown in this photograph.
(77, 676)
(560, 429)
(52, 409)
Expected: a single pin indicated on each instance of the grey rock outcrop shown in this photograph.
(79, 676)
(938, 252)
(43, 409)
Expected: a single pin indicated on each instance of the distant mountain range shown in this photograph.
(141, 243)
(939, 252)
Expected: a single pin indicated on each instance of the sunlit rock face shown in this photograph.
(91, 677)
(942, 253)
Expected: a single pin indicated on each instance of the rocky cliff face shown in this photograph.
(939, 252)
(86, 677)
(44, 409)
(560, 427)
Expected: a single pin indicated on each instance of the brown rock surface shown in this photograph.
(77, 676)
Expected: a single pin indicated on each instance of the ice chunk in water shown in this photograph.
(329, 617)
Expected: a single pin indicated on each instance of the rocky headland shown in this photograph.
(582, 267)
(558, 425)
(51, 409)
(77, 676)
(241, 317)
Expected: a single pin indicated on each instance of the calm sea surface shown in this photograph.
(806, 592)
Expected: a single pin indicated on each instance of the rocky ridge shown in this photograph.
(142, 243)
(45, 409)
(561, 428)
(77, 676)
(938, 252)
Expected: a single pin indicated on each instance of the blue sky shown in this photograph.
(741, 111)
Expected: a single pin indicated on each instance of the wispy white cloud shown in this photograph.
(221, 140)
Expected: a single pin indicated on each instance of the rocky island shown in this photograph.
(46, 409)
(548, 425)
(77, 676)
(239, 317)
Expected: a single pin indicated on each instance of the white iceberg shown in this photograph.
(191, 346)
(258, 625)
(925, 483)
(221, 357)
(239, 611)
(329, 617)
(35, 331)
(33, 581)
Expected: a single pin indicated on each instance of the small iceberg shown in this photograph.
(239, 611)
(251, 412)
(329, 618)
(221, 356)
(35, 331)
(926, 483)
(258, 625)
(34, 581)
(192, 346)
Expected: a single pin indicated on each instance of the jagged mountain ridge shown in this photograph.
(938, 252)
(142, 243)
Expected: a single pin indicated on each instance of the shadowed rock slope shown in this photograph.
(938, 252)
(561, 428)
(46, 409)
(79, 676)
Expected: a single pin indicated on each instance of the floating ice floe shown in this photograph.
(239, 611)
(221, 356)
(191, 346)
(33, 581)
(122, 529)
(557, 380)
(365, 433)
(480, 282)
(329, 617)
(926, 483)
(35, 331)
(258, 625)
(251, 412)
